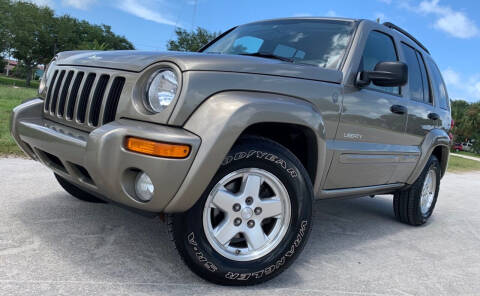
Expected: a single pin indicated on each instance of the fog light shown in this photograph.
(144, 187)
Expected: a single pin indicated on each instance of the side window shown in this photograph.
(379, 48)
(426, 86)
(439, 88)
(415, 81)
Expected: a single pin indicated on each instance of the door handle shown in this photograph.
(433, 116)
(398, 109)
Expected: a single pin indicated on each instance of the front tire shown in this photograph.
(253, 219)
(416, 204)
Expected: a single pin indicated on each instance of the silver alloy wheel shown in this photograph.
(428, 191)
(247, 214)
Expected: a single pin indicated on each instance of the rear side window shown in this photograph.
(379, 48)
(426, 86)
(415, 80)
(439, 88)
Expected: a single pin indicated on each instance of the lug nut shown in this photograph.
(237, 221)
(249, 200)
(236, 207)
(258, 211)
(251, 223)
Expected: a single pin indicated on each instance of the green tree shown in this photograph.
(473, 120)
(3, 64)
(190, 41)
(95, 45)
(459, 115)
(467, 122)
(72, 34)
(5, 19)
(19, 71)
(31, 35)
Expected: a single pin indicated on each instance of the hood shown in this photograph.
(136, 61)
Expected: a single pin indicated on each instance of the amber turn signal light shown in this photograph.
(154, 148)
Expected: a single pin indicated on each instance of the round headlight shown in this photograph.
(162, 89)
(43, 83)
(45, 76)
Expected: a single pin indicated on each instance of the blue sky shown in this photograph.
(449, 29)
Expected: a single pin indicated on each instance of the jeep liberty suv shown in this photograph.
(234, 143)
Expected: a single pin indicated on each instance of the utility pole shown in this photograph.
(8, 59)
(194, 14)
(8, 63)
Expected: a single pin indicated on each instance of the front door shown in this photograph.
(370, 138)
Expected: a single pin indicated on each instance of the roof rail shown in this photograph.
(397, 28)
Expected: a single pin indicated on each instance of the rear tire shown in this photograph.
(77, 192)
(416, 204)
(251, 254)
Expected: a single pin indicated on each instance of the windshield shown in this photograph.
(320, 43)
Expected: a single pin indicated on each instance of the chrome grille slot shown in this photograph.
(58, 84)
(82, 104)
(50, 90)
(63, 96)
(112, 100)
(97, 99)
(83, 97)
(73, 95)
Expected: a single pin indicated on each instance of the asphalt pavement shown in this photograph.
(53, 244)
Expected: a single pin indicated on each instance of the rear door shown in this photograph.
(442, 101)
(370, 137)
(420, 105)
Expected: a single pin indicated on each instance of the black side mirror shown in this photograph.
(384, 74)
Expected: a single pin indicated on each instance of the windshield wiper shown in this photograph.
(268, 56)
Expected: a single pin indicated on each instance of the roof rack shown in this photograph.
(397, 28)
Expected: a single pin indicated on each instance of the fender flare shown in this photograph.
(221, 119)
(435, 138)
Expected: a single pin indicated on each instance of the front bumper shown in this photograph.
(97, 161)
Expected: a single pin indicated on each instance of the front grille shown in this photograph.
(83, 98)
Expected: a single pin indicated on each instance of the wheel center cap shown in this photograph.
(247, 213)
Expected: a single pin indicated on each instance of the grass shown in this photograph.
(9, 98)
(458, 164)
(4, 80)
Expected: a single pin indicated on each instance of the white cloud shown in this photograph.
(461, 86)
(149, 13)
(458, 25)
(476, 89)
(451, 77)
(385, 1)
(79, 4)
(455, 23)
(331, 13)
